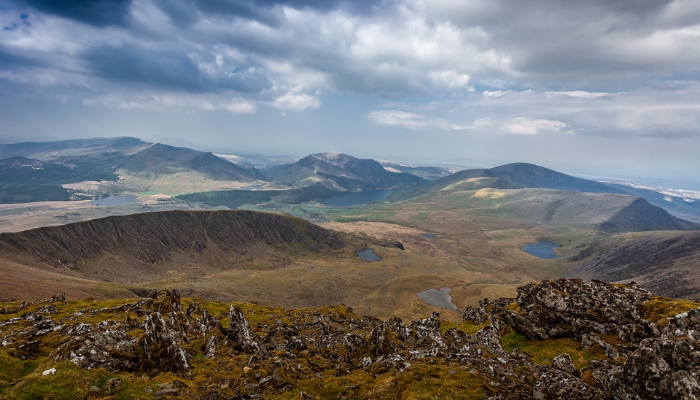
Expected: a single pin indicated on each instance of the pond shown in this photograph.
(113, 201)
(354, 199)
(430, 235)
(438, 298)
(368, 255)
(542, 249)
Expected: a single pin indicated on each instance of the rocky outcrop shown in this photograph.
(572, 308)
(242, 336)
(157, 334)
(648, 362)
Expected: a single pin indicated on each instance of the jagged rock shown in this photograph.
(563, 363)
(476, 315)
(377, 338)
(210, 347)
(240, 333)
(161, 350)
(58, 298)
(353, 343)
(686, 324)
(560, 385)
(571, 308)
(295, 344)
(591, 339)
(428, 329)
(395, 324)
(307, 343)
(109, 349)
(488, 339)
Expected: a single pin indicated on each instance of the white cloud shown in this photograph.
(409, 120)
(527, 126)
(296, 102)
(578, 94)
(241, 106)
(449, 79)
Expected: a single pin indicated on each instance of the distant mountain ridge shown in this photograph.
(37, 171)
(526, 175)
(340, 171)
(52, 150)
(161, 159)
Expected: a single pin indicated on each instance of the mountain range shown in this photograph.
(341, 172)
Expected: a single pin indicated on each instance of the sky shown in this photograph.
(607, 87)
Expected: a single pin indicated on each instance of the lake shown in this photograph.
(113, 201)
(430, 235)
(438, 298)
(368, 255)
(542, 250)
(353, 199)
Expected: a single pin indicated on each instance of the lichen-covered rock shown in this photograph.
(561, 385)
(476, 315)
(563, 363)
(160, 348)
(110, 349)
(686, 324)
(154, 335)
(572, 308)
(240, 333)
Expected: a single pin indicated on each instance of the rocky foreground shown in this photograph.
(606, 341)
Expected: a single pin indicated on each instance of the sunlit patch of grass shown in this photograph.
(544, 351)
(73, 382)
(658, 309)
(462, 326)
(425, 381)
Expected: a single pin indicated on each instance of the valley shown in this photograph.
(330, 237)
(478, 221)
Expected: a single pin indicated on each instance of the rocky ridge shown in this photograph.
(248, 351)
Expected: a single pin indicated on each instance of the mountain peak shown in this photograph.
(334, 158)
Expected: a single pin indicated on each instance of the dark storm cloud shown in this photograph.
(93, 12)
(167, 70)
(265, 11)
(11, 61)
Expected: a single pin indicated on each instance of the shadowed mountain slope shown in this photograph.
(642, 216)
(667, 263)
(154, 237)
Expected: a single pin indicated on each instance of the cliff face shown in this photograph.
(154, 237)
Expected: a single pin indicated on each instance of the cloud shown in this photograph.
(409, 120)
(449, 79)
(592, 69)
(241, 106)
(168, 69)
(296, 102)
(527, 126)
(174, 100)
(93, 12)
(578, 94)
